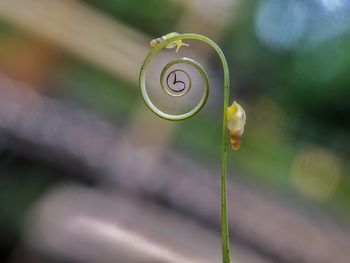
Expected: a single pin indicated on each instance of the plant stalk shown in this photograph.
(149, 57)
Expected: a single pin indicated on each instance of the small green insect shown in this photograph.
(178, 43)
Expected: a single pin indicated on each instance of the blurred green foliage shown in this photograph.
(97, 90)
(154, 17)
(311, 85)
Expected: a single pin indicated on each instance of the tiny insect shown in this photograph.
(236, 119)
(177, 43)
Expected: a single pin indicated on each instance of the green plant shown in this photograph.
(177, 83)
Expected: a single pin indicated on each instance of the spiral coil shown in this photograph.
(175, 82)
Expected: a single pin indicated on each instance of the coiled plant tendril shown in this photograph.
(177, 83)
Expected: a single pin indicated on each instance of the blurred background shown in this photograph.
(88, 174)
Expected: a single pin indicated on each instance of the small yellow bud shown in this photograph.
(236, 119)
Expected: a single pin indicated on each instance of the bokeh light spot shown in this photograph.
(316, 173)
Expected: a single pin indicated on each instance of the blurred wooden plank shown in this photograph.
(90, 225)
(82, 31)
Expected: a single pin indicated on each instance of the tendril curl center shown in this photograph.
(171, 81)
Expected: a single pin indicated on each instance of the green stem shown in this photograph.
(153, 52)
